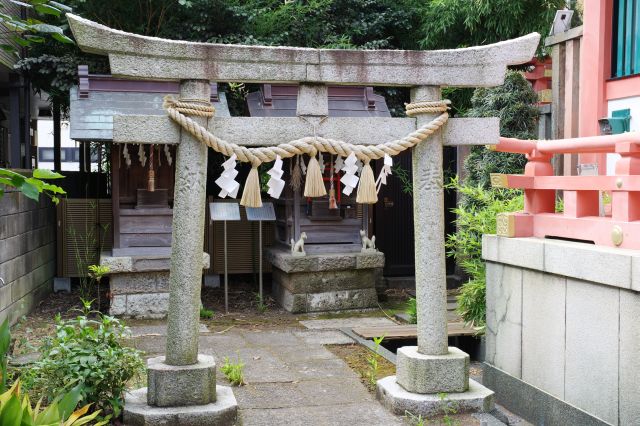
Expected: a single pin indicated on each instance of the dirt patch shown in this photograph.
(357, 358)
(28, 333)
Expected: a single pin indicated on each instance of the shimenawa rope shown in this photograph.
(179, 109)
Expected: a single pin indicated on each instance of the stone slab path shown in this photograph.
(292, 379)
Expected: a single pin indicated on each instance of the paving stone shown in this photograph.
(338, 323)
(297, 354)
(365, 414)
(227, 343)
(271, 338)
(321, 369)
(324, 337)
(313, 392)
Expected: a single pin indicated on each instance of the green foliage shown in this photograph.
(87, 242)
(206, 313)
(5, 341)
(97, 272)
(15, 409)
(515, 104)
(260, 304)
(414, 420)
(459, 23)
(476, 215)
(32, 186)
(448, 408)
(372, 361)
(405, 179)
(233, 371)
(25, 33)
(412, 310)
(88, 351)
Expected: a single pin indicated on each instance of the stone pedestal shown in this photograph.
(325, 282)
(400, 401)
(139, 285)
(171, 386)
(221, 413)
(423, 374)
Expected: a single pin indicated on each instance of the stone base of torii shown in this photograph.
(182, 386)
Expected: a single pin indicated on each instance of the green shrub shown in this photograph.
(88, 352)
(15, 409)
(515, 104)
(412, 310)
(206, 313)
(476, 215)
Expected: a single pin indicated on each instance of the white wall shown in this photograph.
(45, 140)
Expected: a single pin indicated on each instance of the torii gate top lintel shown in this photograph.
(142, 57)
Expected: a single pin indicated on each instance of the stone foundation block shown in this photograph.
(174, 386)
(431, 374)
(326, 282)
(324, 301)
(221, 413)
(399, 401)
(147, 282)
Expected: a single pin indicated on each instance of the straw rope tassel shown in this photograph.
(367, 193)
(251, 193)
(296, 175)
(314, 185)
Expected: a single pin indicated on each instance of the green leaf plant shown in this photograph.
(32, 186)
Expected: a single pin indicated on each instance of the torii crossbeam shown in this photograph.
(185, 378)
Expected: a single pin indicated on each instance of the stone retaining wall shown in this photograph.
(563, 339)
(27, 253)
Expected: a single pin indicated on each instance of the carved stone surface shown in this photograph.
(147, 57)
(428, 204)
(268, 131)
(188, 239)
(284, 261)
(173, 386)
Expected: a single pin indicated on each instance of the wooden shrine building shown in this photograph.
(142, 180)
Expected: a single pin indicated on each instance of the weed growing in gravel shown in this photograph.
(448, 408)
(206, 313)
(262, 307)
(415, 420)
(373, 361)
(233, 371)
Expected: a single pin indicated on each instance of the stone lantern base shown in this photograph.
(181, 395)
(424, 383)
(400, 401)
(223, 412)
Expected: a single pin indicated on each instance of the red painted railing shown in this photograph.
(582, 195)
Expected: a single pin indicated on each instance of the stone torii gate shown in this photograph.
(182, 386)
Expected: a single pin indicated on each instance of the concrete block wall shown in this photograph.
(27, 253)
(562, 317)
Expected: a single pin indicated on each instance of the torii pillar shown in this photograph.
(182, 388)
